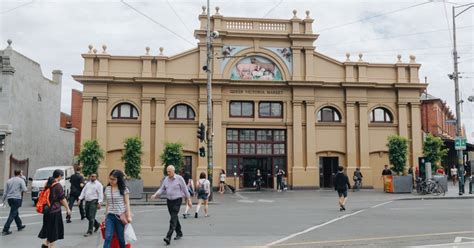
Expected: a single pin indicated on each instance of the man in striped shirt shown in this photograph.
(175, 189)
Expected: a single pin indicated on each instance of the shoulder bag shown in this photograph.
(123, 216)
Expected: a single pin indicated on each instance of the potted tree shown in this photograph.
(133, 162)
(90, 156)
(172, 155)
(434, 151)
(397, 153)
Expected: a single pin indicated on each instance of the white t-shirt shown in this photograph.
(222, 177)
(454, 171)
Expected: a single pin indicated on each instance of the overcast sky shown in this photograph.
(56, 32)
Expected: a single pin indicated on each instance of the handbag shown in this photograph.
(123, 216)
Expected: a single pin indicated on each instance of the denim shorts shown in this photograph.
(342, 193)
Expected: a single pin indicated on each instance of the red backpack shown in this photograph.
(43, 205)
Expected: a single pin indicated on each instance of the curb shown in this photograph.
(437, 198)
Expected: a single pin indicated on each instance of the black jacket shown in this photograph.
(341, 181)
(76, 181)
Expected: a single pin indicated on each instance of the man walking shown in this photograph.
(77, 183)
(341, 184)
(14, 189)
(93, 194)
(175, 189)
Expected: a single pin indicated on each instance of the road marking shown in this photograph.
(245, 201)
(452, 245)
(381, 204)
(373, 238)
(312, 228)
(241, 196)
(262, 200)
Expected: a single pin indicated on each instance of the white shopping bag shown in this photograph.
(130, 236)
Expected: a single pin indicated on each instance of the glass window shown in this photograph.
(264, 148)
(329, 114)
(381, 115)
(125, 111)
(232, 166)
(264, 135)
(181, 112)
(232, 148)
(241, 109)
(270, 109)
(247, 148)
(280, 163)
(279, 135)
(279, 149)
(247, 135)
(232, 135)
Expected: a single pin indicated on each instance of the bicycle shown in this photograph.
(357, 185)
(429, 186)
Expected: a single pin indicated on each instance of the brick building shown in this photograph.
(76, 118)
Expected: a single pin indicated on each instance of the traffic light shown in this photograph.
(2, 142)
(201, 133)
(202, 151)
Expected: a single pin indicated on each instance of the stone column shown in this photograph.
(309, 58)
(145, 131)
(296, 63)
(159, 133)
(312, 170)
(402, 120)
(350, 136)
(218, 147)
(102, 132)
(298, 169)
(416, 133)
(364, 144)
(86, 127)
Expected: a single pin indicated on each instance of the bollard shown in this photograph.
(471, 183)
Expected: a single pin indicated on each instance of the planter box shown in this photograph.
(135, 187)
(442, 180)
(398, 184)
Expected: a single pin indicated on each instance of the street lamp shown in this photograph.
(455, 77)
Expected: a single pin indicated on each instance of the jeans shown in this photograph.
(173, 209)
(71, 200)
(91, 211)
(113, 224)
(15, 204)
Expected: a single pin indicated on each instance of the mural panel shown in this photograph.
(256, 68)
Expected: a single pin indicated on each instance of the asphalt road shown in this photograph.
(288, 219)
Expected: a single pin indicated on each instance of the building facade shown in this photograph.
(277, 103)
(30, 117)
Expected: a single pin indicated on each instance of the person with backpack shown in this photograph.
(77, 183)
(49, 204)
(117, 209)
(14, 189)
(341, 184)
(175, 189)
(204, 191)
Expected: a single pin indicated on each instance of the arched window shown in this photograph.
(125, 111)
(381, 115)
(329, 114)
(181, 112)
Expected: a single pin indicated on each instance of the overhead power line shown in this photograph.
(12, 9)
(272, 9)
(395, 36)
(374, 16)
(158, 23)
(176, 13)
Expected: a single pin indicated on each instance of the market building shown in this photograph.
(277, 103)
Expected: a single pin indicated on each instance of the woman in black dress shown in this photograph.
(53, 227)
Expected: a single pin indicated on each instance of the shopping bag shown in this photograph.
(130, 236)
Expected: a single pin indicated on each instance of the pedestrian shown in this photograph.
(175, 188)
(357, 177)
(117, 209)
(341, 184)
(23, 177)
(92, 193)
(258, 180)
(454, 174)
(189, 201)
(280, 185)
(222, 181)
(53, 226)
(410, 173)
(77, 183)
(13, 193)
(204, 191)
(386, 172)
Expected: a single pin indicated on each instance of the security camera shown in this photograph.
(215, 34)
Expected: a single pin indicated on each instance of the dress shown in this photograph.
(53, 227)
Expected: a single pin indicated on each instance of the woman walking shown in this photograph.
(204, 190)
(189, 201)
(117, 210)
(222, 182)
(53, 226)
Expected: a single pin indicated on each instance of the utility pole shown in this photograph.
(455, 77)
(210, 165)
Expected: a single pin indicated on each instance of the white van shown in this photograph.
(41, 177)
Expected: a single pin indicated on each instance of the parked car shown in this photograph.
(41, 177)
